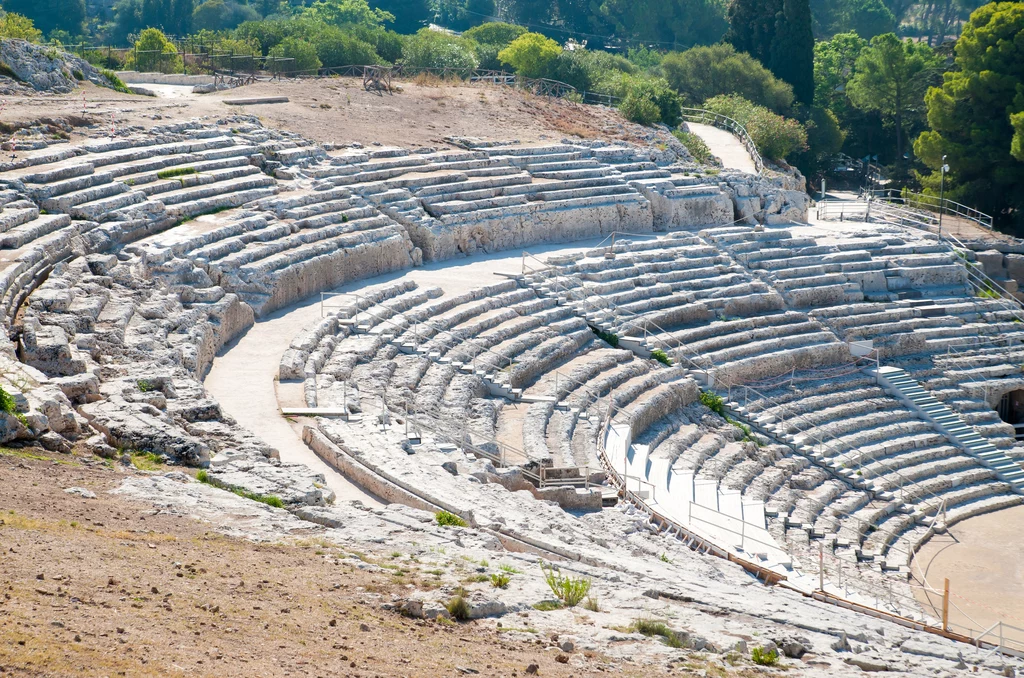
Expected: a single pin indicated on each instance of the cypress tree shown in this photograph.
(752, 26)
(791, 56)
(48, 15)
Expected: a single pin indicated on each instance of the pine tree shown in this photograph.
(791, 55)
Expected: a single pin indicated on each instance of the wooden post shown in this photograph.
(821, 566)
(945, 605)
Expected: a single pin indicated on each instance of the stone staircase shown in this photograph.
(915, 396)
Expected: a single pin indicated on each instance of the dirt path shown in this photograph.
(729, 149)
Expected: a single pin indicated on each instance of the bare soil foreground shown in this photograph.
(983, 558)
(338, 110)
(105, 587)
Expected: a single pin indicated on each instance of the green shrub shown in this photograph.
(268, 499)
(696, 146)
(153, 52)
(203, 477)
(531, 55)
(336, 48)
(500, 580)
(607, 337)
(302, 53)
(703, 72)
(79, 75)
(7, 403)
(433, 49)
(170, 174)
(569, 590)
(447, 519)
(494, 33)
(115, 82)
(21, 27)
(774, 136)
(661, 357)
(762, 658)
(713, 402)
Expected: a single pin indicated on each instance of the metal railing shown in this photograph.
(699, 115)
(931, 204)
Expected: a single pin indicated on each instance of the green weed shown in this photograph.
(569, 590)
(448, 519)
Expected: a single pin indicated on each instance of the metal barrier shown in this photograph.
(932, 204)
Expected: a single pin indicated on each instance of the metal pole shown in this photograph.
(945, 606)
(942, 192)
(821, 566)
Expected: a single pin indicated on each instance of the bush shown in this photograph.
(303, 54)
(713, 402)
(696, 146)
(607, 337)
(640, 108)
(634, 88)
(115, 82)
(447, 519)
(569, 590)
(218, 15)
(433, 49)
(774, 135)
(494, 33)
(661, 357)
(704, 72)
(154, 53)
(762, 658)
(336, 48)
(7, 403)
(531, 54)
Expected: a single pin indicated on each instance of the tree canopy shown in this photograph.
(779, 34)
(51, 15)
(977, 115)
(703, 72)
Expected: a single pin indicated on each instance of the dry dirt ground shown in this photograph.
(339, 110)
(108, 587)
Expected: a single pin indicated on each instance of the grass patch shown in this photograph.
(448, 519)
(653, 628)
(661, 357)
(591, 604)
(269, 499)
(569, 590)
(512, 570)
(713, 402)
(764, 658)
(146, 461)
(458, 607)
(547, 606)
(176, 172)
(500, 580)
(6, 71)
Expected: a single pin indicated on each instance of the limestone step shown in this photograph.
(27, 232)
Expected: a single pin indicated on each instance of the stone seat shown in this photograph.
(440, 191)
(162, 188)
(105, 208)
(899, 443)
(572, 193)
(448, 207)
(906, 469)
(30, 231)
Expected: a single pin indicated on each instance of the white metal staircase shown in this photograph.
(927, 406)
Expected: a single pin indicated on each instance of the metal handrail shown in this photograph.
(932, 203)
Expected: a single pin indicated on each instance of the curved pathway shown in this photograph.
(729, 149)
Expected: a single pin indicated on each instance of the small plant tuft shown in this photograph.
(547, 606)
(115, 82)
(448, 519)
(713, 402)
(661, 357)
(512, 570)
(203, 477)
(176, 172)
(651, 627)
(458, 607)
(607, 337)
(569, 590)
(591, 604)
(761, 657)
(145, 386)
(500, 580)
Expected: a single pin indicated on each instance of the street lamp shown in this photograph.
(942, 192)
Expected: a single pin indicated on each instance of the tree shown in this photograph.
(777, 33)
(154, 53)
(834, 61)
(531, 55)
(218, 15)
(410, 15)
(462, 14)
(891, 77)
(51, 15)
(16, 26)
(434, 49)
(335, 47)
(677, 23)
(703, 72)
(976, 116)
(866, 18)
(491, 38)
(341, 12)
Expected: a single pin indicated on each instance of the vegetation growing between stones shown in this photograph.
(652, 628)
(270, 500)
(500, 580)
(448, 519)
(713, 402)
(146, 461)
(696, 146)
(458, 606)
(661, 357)
(176, 172)
(570, 591)
(115, 82)
(761, 657)
(607, 337)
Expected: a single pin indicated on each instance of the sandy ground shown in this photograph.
(725, 146)
(983, 558)
(339, 110)
(109, 587)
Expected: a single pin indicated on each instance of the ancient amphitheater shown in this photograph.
(676, 381)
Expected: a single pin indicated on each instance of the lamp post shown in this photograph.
(942, 192)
